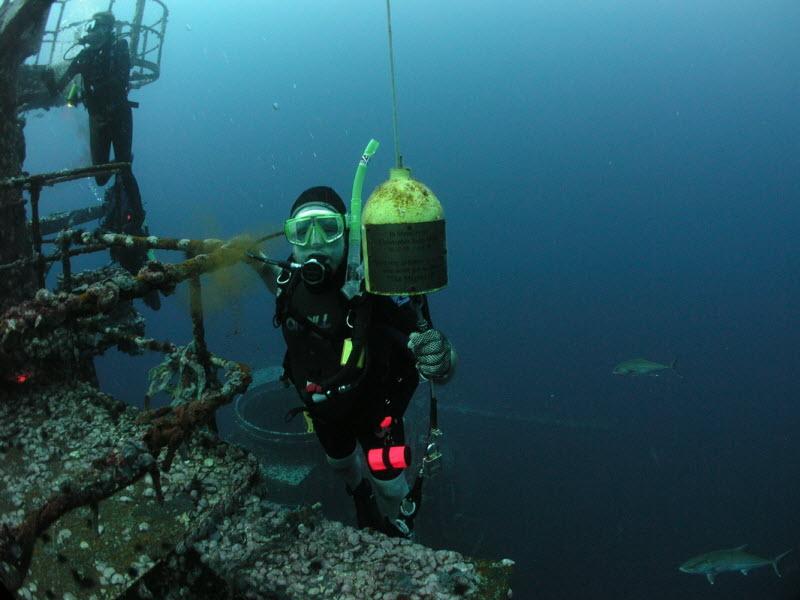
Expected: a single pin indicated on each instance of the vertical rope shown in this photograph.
(398, 159)
(66, 265)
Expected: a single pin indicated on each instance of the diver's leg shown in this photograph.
(122, 140)
(343, 457)
(100, 144)
(347, 468)
(340, 448)
(122, 134)
(389, 493)
(390, 485)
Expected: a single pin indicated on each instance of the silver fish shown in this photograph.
(711, 564)
(637, 367)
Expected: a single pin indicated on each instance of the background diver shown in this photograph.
(104, 66)
(355, 365)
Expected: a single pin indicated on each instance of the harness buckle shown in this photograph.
(283, 277)
(432, 461)
(408, 507)
(402, 527)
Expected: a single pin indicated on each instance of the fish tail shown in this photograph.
(776, 559)
(672, 366)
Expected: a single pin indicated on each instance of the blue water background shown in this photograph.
(620, 179)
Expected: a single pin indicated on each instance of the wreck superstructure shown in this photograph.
(143, 23)
(104, 500)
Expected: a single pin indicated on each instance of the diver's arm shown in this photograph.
(267, 272)
(435, 354)
(452, 360)
(453, 364)
(55, 84)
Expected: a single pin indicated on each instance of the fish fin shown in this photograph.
(775, 562)
(742, 547)
(743, 571)
(710, 577)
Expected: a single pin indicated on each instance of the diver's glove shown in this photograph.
(433, 353)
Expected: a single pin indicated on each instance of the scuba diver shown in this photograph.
(104, 66)
(354, 363)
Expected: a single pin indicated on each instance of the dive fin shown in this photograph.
(710, 577)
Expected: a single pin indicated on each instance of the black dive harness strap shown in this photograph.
(350, 375)
(358, 318)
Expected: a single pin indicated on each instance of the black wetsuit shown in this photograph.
(314, 327)
(105, 70)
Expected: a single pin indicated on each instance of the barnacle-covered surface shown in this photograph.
(52, 439)
(216, 532)
(38, 336)
(299, 554)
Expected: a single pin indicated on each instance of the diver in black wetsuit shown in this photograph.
(358, 401)
(104, 65)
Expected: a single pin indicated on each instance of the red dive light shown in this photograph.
(17, 378)
(389, 457)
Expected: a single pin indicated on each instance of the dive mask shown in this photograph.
(327, 228)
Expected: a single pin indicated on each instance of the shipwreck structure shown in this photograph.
(100, 499)
(143, 23)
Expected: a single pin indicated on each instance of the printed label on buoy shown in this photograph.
(405, 258)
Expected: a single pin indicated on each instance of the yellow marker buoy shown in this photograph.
(404, 245)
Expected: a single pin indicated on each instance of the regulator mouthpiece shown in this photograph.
(314, 272)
